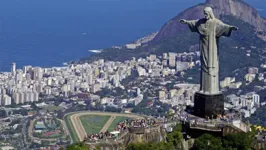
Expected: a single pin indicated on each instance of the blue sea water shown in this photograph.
(49, 32)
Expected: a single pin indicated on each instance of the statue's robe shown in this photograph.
(210, 31)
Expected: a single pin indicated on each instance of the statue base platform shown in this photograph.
(208, 106)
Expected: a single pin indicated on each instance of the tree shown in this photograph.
(259, 117)
(208, 142)
(240, 141)
(138, 146)
(150, 146)
(78, 146)
(176, 136)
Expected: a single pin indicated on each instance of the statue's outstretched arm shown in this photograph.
(231, 27)
(191, 23)
(234, 27)
(187, 21)
(223, 29)
(183, 21)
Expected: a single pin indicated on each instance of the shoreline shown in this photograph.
(95, 51)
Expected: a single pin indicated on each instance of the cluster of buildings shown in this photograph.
(246, 104)
(182, 94)
(169, 63)
(251, 75)
(26, 85)
(230, 82)
(21, 86)
(4, 98)
(149, 68)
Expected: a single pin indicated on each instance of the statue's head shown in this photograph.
(208, 13)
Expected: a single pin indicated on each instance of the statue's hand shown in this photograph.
(183, 21)
(234, 28)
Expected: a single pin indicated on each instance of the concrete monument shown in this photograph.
(209, 100)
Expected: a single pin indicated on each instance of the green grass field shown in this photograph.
(71, 129)
(93, 124)
(115, 123)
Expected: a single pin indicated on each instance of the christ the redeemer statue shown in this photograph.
(210, 30)
(209, 101)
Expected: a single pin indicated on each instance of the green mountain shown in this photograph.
(175, 37)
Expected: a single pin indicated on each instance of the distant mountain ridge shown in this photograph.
(237, 8)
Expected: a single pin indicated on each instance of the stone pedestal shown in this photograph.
(208, 105)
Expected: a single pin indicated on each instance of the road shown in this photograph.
(81, 132)
(24, 134)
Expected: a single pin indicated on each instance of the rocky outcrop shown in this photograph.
(154, 134)
(146, 39)
(236, 8)
(131, 135)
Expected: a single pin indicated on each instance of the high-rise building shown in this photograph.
(37, 73)
(26, 69)
(256, 99)
(138, 91)
(1, 97)
(90, 79)
(31, 96)
(22, 98)
(18, 77)
(116, 80)
(6, 100)
(35, 96)
(28, 76)
(28, 96)
(2, 91)
(165, 56)
(13, 68)
(172, 59)
(16, 98)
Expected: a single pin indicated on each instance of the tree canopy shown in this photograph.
(78, 146)
(239, 141)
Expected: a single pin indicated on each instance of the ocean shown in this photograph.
(48, 33)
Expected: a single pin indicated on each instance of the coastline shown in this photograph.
(92, 52)
(96, 50)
